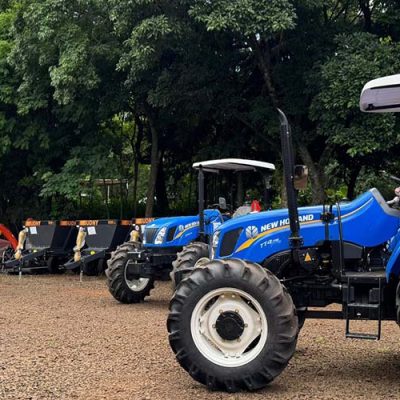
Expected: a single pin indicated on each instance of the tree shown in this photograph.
(358, 139)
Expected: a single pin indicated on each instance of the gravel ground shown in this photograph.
(61, 339)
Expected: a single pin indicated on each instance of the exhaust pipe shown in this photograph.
(295, 240)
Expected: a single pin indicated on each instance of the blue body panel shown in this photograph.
(367, 221)
(187, 228)
(393, 266)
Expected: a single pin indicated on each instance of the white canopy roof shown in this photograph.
(233, 164)
(381, 95)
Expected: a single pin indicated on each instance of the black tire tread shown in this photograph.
(187, 258)
(283, 346)
(115, 273)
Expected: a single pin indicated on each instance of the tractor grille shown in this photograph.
(150, 234)
(171, 233)
(229, 242)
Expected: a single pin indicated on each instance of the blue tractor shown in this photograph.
(134, 266)
(234, 321)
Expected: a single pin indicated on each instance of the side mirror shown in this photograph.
(300, 177)
(381, 95)
(222, 203)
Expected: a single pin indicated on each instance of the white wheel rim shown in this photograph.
(229, 353)
(136, 285)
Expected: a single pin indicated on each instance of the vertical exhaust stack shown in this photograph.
(295, 239)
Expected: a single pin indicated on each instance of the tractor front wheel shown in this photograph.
(126, 290)
(232, 325)
(187, 259)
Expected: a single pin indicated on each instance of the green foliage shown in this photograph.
(359, 57)
(86, 86)
(246, 17)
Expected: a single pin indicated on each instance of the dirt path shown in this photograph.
(60, 339)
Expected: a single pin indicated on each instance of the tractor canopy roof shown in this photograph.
(381, 95)
(233, 164)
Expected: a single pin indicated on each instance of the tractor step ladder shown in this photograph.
(357, 311)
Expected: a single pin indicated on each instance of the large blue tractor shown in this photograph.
(234, 321)
(133, 267)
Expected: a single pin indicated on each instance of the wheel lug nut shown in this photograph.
(220, 311)
(246, 325)
(213, 325)
(237, 311)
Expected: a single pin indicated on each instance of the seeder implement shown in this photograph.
(42, 245)
(95, 241)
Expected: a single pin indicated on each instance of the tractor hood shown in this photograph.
(367, 221)
(170, 222)
(179, 231)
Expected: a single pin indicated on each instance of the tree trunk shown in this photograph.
(316, 175)
(135, 184)
(365, 9)
(161, 191)
(155, 160)
(352, 182)
(264, 64)
(136, 145)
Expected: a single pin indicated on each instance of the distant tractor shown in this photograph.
(234, 321)
(135, 266)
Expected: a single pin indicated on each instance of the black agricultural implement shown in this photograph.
(97, 239)
(43, 245)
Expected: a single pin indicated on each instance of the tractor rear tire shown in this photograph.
(123, 290)
(232, 325)
(186, 260)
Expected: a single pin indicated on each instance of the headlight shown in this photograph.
(160, 235)
(215, 241)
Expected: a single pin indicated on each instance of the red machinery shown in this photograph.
(9, 236)
(7, 246)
